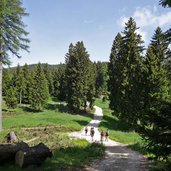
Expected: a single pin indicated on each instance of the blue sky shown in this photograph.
(54, 24)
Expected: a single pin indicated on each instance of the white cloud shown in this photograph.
(122, 21)
(147, 18)
(143, 34)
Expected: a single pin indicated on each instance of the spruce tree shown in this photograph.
(12, 35)
(39, 93)
(165, 3)
(157, 59)
(127, 62)
(6, 81)
(114, 70)
(27, 84)
(101, 79)
(155, 122)
(91, 79)
(19, 83)
(77, 73)
(131, 51)
(49, 78)
(11, 97)
(60, 82)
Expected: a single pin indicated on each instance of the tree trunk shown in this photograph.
(8, 151)
(1, 68)
(20, 97)
(32, 156)
(12, 138)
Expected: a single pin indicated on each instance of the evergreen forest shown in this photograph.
(135, 82)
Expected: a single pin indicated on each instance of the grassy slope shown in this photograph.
(55, 114)
(67, 153)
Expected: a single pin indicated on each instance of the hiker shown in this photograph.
(107, 135)
(86, 130)
(92, 133)
(102, 136)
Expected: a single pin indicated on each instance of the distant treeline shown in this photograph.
(34, 84)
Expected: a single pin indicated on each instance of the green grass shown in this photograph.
(119, 131)
(73, 155)
(77, 155)
(66, 153)
(55, 114)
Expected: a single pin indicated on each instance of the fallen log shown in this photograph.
(8, 151)
(33, 155)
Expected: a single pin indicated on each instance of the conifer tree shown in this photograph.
(18, 82)
(27, 84)
(60, 83)
(91, 77)
(49, 78)
(165, 3)
(155, 122)
(39, 93)
(157, 59)
(131, 51)
(101, 79)
(129, 74)
(12, 35)
(11, 97)
(77, 73)
(6, 81)
(114, 70)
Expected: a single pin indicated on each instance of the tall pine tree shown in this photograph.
(39, 93)
(19, 83)
(126, 60)
(27, 84)
(60, 82)
(114, 70)
(155, 121)
(6, 81)
(77, 77)
(101, 79)
(49, 77)
(91, 78)
(12, 35)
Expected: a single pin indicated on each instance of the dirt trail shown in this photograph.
(118, 157)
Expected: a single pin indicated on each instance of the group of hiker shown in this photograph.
(104, 134)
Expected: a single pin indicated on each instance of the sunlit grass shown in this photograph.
(55, 114)
(119, 131)
(50, 127)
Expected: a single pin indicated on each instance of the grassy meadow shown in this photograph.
(50, 127)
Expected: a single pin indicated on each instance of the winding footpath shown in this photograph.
(117, 156)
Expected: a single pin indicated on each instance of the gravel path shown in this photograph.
(118, 157)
